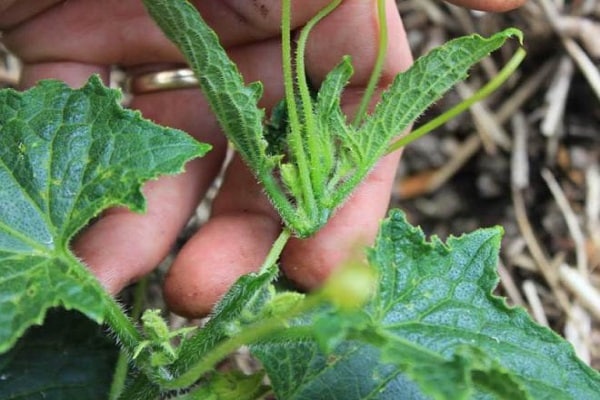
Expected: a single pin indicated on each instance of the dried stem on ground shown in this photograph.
(541, 179)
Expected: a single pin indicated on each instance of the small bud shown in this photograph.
(350, 287)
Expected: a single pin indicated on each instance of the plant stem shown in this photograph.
(267, 328)
(286, 49)
(295, 137)
(129, 338)
(127, 334)
(250, 334)
(122, 367)
(119, 376)
(377, 68)
(481, 94)
(310, 127)
(276, 250)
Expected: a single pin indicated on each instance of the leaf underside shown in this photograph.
(433, 330)
(66, 155)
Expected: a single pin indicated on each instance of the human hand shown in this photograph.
(72, 40)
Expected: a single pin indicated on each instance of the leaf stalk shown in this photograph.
(295, 135)
(310, 127)
(377, 68)
(481, 94)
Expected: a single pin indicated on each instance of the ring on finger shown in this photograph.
(181, 78)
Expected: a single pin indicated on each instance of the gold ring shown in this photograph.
(182, 78)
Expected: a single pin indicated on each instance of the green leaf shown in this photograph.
(66, 155)
(234, 103)
(413, 91)
(435, 322)
(311, 163)
(410, 94)
(69, 357)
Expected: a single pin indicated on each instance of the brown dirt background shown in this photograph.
(527, 159)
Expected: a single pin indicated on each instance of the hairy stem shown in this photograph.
(295, 136)
(127, 334)
(310, 127)
(129, 338)
(254, 333)
(122, 367)
(481, 94)
(377, 68)
(249, 335)
(276, 250)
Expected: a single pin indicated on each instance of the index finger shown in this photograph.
(87, 31)
(489, 5)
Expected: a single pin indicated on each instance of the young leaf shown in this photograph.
(66, 155)
(411, 93)
(241, 305)
(310, 166)
(234, 103)
(244, 303)
(435, 322)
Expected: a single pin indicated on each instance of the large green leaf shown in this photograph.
(66, 155)
(69, 357)
(434, 321)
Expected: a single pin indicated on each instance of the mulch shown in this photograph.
(527, 158)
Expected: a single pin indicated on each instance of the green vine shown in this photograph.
(463, 106)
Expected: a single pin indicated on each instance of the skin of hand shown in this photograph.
(70, 40)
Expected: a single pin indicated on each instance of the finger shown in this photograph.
(12, 12)
(4, 4)
(353, 28)
(235, 241)
(243, 224)
(122, 33)
(75, 74)
(124, 246)
(489, 5)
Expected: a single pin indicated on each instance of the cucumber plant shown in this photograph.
(420, 322)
